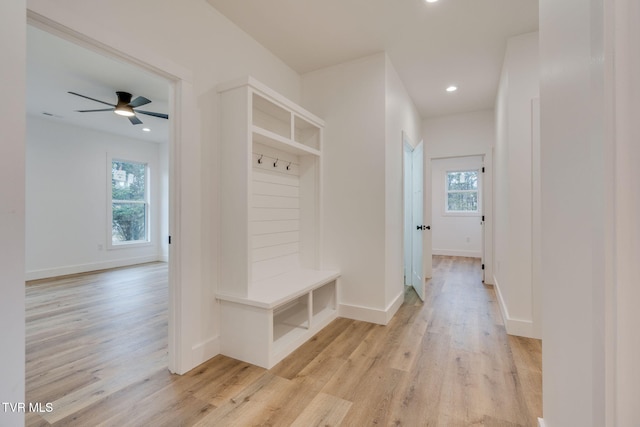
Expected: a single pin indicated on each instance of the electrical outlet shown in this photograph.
(468, 239)
(100, 246)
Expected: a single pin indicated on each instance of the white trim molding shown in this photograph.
(518, 327)
(371, 315)
(455, 252)
(541, 422)
(205, 350)
(55, 20)
(84, 268)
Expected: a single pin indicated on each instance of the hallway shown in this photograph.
(447, 362)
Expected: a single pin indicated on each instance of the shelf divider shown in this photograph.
(274, 140)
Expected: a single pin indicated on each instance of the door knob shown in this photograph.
(423, 227)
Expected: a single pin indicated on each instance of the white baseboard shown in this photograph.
(393, 308)
(205, 350)
(541, 422)
(83, 268)
(371, 315)
(518, 327)
(455, 252)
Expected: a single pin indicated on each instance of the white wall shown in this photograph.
(573, 262)
(590, 266)
(12, 123)
(454, 234)
(164, 204)
(457, 135)
(401, 115)
(519, 86)
(365, 108)
(624, 320)
(67, 199)
(209, 51)
(350, 97)
(466, 134)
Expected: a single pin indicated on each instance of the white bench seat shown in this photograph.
(278, 315)
(275, 291)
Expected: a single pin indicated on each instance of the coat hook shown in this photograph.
(275, 164)
(260, 159)
(289, 166)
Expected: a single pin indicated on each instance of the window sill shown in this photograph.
(129, 245)
(466, 214)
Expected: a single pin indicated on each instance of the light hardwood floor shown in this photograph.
(96, 349)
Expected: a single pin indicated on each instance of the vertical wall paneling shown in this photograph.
(275, 212)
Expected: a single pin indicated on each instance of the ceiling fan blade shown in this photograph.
(139, 101)
(151, 113)
(92, 99)
(135, 121)
(93, 111)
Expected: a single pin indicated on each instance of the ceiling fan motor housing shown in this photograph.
(123, 108)
(124, 98)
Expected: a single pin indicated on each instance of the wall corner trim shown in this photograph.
(393, 308)
(371, 315)
(204, 351)
(517, 327)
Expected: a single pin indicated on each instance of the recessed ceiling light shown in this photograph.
(430, 1)
(146, 130)
(452, 88)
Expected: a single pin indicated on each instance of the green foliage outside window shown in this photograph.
(128, 201)
(462, 191)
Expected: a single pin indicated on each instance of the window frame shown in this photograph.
(111, 245)
(478, 191)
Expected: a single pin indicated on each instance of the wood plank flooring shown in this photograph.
(97, 350)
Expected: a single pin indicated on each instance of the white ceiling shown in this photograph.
(459, 42)
(56, 66)
(434, 45)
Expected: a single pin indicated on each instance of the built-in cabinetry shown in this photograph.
(273, 294)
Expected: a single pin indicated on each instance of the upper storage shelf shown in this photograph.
(278, 122)
(270, 117)
(306, 133)
(274, 140)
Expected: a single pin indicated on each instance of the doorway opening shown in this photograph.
(414, 218)
(165, 214)
(457, 207)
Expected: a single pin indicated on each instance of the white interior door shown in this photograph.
(427, 236)
(418, 227)
(408, 212)
(482, 228)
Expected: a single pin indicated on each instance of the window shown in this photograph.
(462, 192)
(129, 202)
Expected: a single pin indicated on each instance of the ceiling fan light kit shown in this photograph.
(124, 107)
(124, 110)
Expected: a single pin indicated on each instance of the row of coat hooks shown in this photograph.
(273, 160)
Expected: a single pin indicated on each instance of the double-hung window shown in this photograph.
(129, 202)
(462, 195)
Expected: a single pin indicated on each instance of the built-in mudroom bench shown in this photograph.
(273, 293)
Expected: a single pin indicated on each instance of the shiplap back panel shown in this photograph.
(274, 219)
